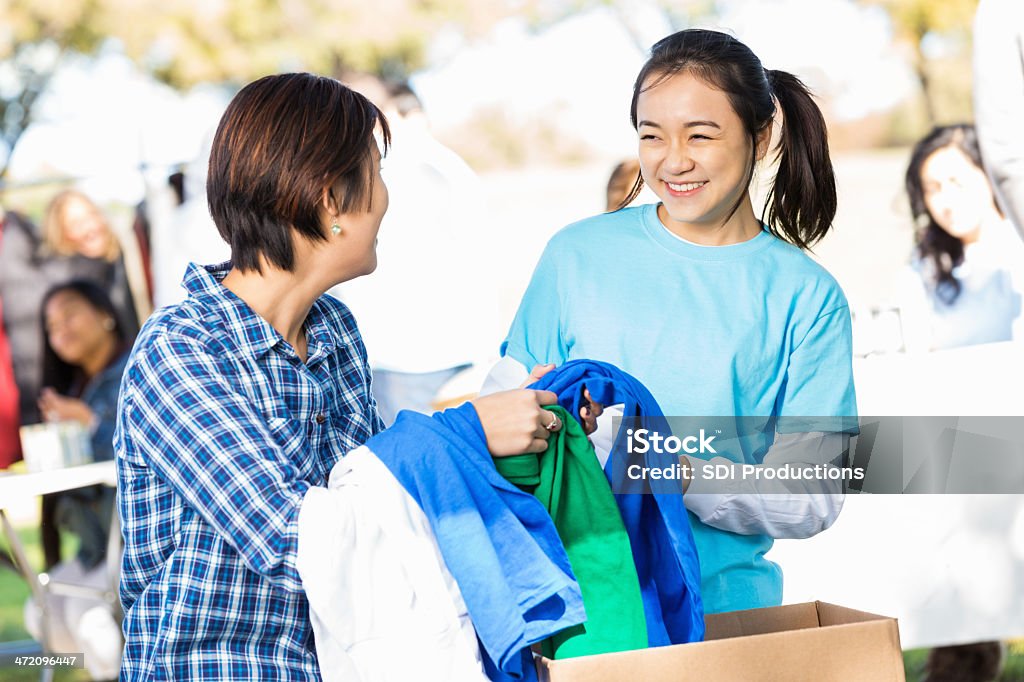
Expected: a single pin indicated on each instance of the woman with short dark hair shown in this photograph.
(241, 399)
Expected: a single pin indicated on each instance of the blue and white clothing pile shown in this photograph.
(419, 550)
(419, 504)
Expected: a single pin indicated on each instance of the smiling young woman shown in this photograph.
(716, 311)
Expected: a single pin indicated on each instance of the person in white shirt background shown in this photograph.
(965, 282)
(999, 100)
(432, 251)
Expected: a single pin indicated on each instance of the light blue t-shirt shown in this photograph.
(755, 329)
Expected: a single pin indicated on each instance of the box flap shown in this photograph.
(778, 644)
(830, 614)
(760, 621)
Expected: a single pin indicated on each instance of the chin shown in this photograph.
(73, 359)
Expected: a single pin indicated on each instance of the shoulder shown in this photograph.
(175, 335)
(604, 232)
(813, 287)
(609, 224)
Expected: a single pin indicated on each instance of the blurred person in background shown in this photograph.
(75, 229)
(83, 359)
(620, 183)
(10, 443)
(999, 100)
(432, 250)
(965, 283)
(22, 285)
(76, 242)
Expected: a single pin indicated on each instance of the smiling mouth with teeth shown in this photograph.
(686, 186)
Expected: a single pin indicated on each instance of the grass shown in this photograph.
(13, 593)
(1013, 667)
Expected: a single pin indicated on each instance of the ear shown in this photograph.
(764, 137)
(329, 203)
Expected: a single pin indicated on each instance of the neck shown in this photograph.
(741, 226)
(282, 298)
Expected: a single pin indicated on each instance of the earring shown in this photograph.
(109, 324)
(335, 229)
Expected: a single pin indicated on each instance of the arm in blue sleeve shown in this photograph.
(535, 337)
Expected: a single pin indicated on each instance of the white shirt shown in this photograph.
(429, 304)
(988, 309)
(383, 604)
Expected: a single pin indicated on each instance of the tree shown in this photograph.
(914, 20)
(192, 41)
(186, 42)
(36, 37)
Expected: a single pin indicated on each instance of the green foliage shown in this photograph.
(913, 21)
(193, 41)
(186, 42)
(35, 36)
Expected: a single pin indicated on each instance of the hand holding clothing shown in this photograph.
(515, 422)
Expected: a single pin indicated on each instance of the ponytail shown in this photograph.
(802, 201)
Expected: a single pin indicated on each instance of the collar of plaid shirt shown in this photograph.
(203, 283)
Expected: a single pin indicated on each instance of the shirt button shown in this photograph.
(320, 418)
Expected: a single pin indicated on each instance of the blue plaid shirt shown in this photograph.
(220, 432)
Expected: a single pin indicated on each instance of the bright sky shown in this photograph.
(102, 117)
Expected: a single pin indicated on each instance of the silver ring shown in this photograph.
(555, 424)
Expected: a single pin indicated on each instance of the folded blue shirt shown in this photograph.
(499, 542)
(652, 511)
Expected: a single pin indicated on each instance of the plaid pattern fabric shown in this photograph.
(221, 430)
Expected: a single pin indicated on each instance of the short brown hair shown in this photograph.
(282, 141)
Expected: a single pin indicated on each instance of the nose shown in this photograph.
(678, 160)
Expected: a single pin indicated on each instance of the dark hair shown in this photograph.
(938, 248)
(802, 201)
(60, 375)
(620, 183)
(282, 142)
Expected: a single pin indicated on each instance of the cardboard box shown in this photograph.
(813, 642)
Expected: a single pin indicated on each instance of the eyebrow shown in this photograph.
(689, 124)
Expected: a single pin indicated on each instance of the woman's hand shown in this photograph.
(57, 408)
(515, 422)
(589, 412)
(537, 372)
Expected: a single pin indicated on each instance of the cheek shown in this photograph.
(648, 167)
(981, 193)
(65, 346)
(733, 161)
